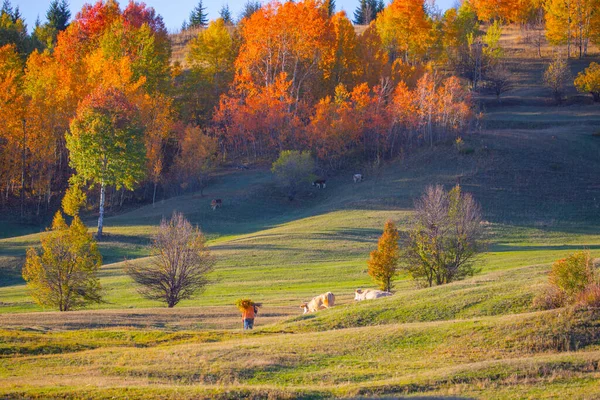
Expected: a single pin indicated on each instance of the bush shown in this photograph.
(549, 298)
(571, 275)
(590, 297)
(571, 281)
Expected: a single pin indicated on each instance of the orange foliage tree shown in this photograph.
(291, 38)
(383, 261)
(405, 29)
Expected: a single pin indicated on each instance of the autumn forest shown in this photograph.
(287, 76)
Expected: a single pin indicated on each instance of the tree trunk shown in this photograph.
(154, 194)
(101, 215)
(23, 155)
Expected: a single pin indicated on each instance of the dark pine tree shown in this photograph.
(367, 11)
(58, 15)
(7, 8)
(330, 6)
(225, 14)
(198, 16)
(250, 8)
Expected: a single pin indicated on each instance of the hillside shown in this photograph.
(533, 166)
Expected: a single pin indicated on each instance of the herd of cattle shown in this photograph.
(327, 300)
(319, 184)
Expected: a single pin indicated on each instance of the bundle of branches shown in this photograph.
(244, 304)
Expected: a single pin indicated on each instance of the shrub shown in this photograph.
(590, 296)
(571, 275)
(571, 281)
(549, 298)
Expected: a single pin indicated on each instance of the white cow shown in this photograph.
(319, 302)
(357, 178)
(369, 294)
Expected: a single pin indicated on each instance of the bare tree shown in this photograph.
(180, 264)
(445, 237)
(499, 79)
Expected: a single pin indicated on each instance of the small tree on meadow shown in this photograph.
(588, 81)
(180, 263)
(556, 77)
(383, 262)
(292, 169)
(499, 79)
(63, 276)
(445, 237)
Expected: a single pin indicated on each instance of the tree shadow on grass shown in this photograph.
(500, 248)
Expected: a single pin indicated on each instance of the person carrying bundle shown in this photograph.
(249, 310)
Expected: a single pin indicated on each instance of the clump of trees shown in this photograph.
(179, 264)
(442, 243)
(383, 262)
(572, 281)
(445, 236)
(63, 275)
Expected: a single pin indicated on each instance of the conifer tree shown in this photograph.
(58, 15)
(225, 14)
(198, 16)
(250, 8)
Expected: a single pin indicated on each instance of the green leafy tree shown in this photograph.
(106, 143)
(445, 237)
(383, 262)
(63, 276)
(198, 16)
(180, 264)
(293, 168)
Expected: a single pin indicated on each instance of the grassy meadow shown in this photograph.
(534, 168)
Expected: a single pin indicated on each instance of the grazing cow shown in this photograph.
(320, 302)
(369, 294)
(319, 183)
(357, 178)
(216, 203)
